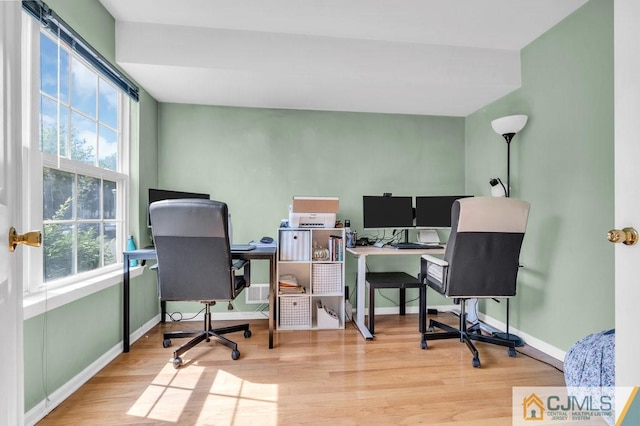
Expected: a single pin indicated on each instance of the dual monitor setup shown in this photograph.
(398, 213)
(379, 212)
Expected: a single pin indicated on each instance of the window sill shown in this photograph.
(38, 303)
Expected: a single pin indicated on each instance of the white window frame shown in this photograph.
(40, 297)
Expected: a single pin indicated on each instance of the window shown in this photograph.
(79, 144)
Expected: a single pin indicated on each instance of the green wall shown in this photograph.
(256, 160)
(562, 163)
(59, 344)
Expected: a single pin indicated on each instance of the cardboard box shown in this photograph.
(315, 204)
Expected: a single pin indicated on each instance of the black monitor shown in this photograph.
(381, 212)
(434, 212)
(165, 194)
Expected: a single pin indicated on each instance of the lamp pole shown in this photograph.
(507, 138)
(508, 336)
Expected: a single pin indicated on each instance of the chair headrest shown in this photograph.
(492, 214)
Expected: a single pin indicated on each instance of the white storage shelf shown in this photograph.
(315, 257)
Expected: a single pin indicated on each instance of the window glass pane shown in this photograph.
(83, 139)
(48, 125)
(108, 148)
(88, 197)
(110, 199)
(109, 247)
(84, 88)
(57, 195)
(88, 246)
(64, 76)
(108, 104)
(58, 251)
(48, 66)
(64, 131)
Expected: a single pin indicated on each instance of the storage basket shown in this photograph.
(295, 311)
(326, 278)
(294, 245)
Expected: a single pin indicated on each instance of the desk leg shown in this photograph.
(125, 305)
(360, 295)
(273, 288)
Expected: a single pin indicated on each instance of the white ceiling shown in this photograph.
(434, 57)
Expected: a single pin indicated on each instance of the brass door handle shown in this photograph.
(33, 239)
(627, 236)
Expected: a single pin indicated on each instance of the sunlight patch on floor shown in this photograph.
(230, 399)
(168, 394)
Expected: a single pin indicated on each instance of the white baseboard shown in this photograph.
(530, 340)
(44, 407)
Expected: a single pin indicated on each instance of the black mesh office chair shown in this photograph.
(194, 264)
(480, 261)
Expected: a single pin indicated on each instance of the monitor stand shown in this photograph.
(428, 236)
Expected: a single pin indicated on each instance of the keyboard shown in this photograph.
(242, 247)
(415, 246)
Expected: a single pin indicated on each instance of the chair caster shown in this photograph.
(235, 354)
(423, 344)
(177, 362)
(512, 352)
(247, 334)
(476, 362)
(430, 329)
(166, 343)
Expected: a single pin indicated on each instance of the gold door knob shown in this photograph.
(33, 239)
(627, 236)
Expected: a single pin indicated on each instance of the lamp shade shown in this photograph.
(509, 124)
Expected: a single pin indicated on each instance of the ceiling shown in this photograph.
(431, 57)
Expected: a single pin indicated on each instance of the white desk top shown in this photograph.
(371, 250)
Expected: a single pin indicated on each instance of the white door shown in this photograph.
(627, 187)
(11, 377)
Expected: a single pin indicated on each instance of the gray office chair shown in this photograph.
(194, 264)
(480, 261)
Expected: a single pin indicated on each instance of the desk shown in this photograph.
(259, 253)
(361, 253)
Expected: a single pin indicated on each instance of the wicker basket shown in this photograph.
(326, 278)
(295, 311)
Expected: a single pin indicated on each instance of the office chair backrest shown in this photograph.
(483, 250)
(192, 244)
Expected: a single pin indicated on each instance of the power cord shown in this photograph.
(181, 318)
(518, 351)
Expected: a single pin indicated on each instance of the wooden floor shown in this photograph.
(310, 377)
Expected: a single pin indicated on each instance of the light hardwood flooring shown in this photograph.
(310, 377)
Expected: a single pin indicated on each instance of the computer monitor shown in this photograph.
(434, 212)
(379, 212)
(165, 194)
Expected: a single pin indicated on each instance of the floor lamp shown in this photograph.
(507, 127)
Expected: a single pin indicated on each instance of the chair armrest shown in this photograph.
(434, 259)
(238, 264)
(245, 265)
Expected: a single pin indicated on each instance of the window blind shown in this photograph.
(50, 20)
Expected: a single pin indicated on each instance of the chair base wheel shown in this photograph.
(512, 352)
(476, 362)
(235, 354)
(166, 343)
(177, 362)
(423, 344)
(247, 334)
